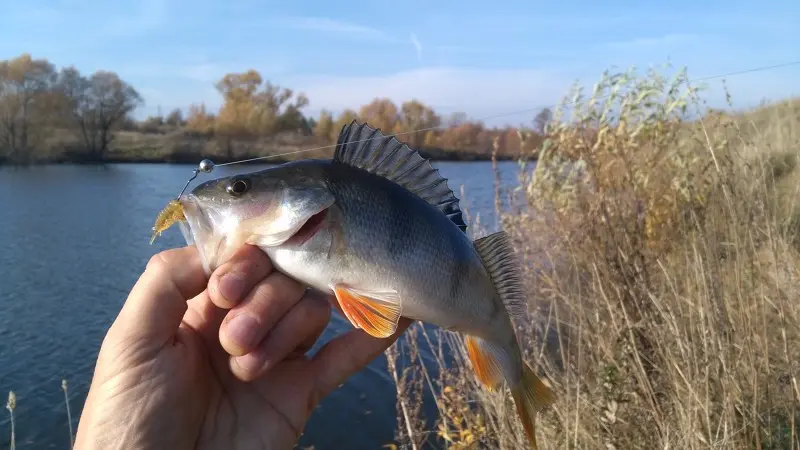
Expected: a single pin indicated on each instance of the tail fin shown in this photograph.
(490, 363)
(530, 397)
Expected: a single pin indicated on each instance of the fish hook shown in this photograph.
(205, 165)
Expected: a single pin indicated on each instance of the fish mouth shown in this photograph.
(196, 218)
(309, 229)
(198, 230)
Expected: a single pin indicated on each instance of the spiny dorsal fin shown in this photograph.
(500, 261)
(368, 148)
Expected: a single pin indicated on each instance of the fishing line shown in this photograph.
(207, 165)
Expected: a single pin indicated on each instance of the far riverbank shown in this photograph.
(182, 147)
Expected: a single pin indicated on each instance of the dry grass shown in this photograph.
(11, 406)
(661, 256)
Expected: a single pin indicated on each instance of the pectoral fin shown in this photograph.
(375, 312)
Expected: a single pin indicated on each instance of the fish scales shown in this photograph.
(395, 240)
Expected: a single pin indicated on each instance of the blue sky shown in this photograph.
(483, 58)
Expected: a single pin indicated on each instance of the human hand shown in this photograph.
(197, 363)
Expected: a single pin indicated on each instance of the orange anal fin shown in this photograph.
(377, 313)
(486, 361)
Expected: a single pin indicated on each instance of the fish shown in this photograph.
(379, 228)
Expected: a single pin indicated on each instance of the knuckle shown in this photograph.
(252, 258)
(166, 258)
(159, 262)
(268, 289)
(285, 286)
(317, 307)
(249, 268)
(308, 312)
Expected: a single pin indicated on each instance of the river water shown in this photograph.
(75, 239)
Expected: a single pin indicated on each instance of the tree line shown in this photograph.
(45, 111)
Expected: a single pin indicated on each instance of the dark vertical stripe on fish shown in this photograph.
(399, 233)
(458, 267)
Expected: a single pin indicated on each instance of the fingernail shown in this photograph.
(242, 330)
(232, 286)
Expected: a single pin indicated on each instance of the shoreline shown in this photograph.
(216, 162)
(219, 159)
(180, 148)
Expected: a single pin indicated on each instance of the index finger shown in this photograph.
(347, 354)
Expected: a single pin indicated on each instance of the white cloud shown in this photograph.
(327, 25)
(417, 46)
(201, 71)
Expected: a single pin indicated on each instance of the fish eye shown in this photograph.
(238, 186)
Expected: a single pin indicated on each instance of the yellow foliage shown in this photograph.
(199, 120)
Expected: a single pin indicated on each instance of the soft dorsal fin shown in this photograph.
(362, 146)
(500, 261)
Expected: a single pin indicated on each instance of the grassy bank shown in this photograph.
(661, 257)
(179, 145)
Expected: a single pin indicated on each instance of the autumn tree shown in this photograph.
(324, 128)
(254, 107)
(380, 113)
(346, 117)
(541, 120)
(416, 119)
(24, 87)
(38, 102)
(512, 140)
(431, 139)
(97, 104)
(175, 118)
(455, 119)
(237, 90)
(464, 136)
(291, 118)
(151, 124)
(199, 120)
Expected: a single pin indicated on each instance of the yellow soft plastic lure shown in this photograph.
(171, 213)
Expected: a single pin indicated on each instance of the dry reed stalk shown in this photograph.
(11, 405)
(65, 388)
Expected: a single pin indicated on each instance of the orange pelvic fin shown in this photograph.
(375, 312)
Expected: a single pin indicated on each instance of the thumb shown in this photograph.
(157, 303)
